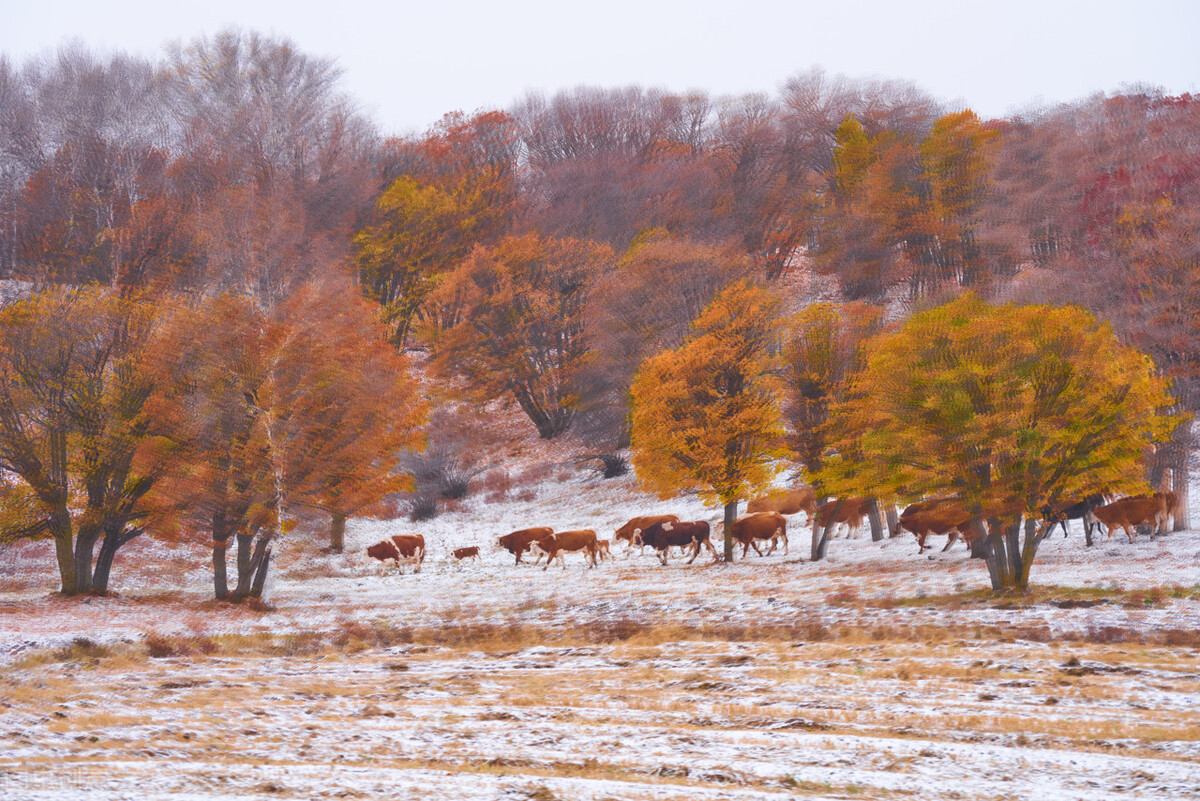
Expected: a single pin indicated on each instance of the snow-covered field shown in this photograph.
(873, 674)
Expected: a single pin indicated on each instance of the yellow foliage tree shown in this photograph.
(1010, 409)
(706, 416)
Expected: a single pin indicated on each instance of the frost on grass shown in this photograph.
(872, 674)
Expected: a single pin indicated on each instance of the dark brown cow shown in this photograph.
(940, 516)
(1081, 510)
(630, 531)
(401, 549)
(554, 546)
(760, 526)
(518, 542)
(849, 513)
(471, 553)
(663, 536)
(786, 502)
(1129, 513)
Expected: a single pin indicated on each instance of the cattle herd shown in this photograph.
(766, 522)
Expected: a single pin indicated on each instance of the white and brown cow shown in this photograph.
(401, 549)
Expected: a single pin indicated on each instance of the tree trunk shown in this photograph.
(85, 548)
(220, 535)
(1005, 561)
(979, 545)
(1012, 540)
(64, 538)
(109, 546)
(248, 567)
(996, 555)
(1179, 479)
(893, 520)
(220, 569)
(337, 533)
(245, 571)
(820, 535)
(730, 516)
(1028, 551)
(260, 574)
(875, 520)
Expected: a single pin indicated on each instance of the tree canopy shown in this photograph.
(706, 416)
(1009, 408)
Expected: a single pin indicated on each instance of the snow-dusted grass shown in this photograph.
(876, 673)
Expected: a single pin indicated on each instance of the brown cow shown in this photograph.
(630, 531)
(518, 542)
(939, 516)
(602, 550)
(786, 502)
(760, 526)
(556, 545)
(1129, 513)
(850, 512)
(1170, 506)
(401, 549)
(663, 536)
(471, 553)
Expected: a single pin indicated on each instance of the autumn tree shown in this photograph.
(646, 305)
(80, 444)
(822, 351)
(348, 410)
(957, 158)
(870, 211)
(1011, 409)
(296, 406)
(521, 329)
(706, 416)
(455, 189)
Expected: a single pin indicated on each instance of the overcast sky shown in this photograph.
(410, 62)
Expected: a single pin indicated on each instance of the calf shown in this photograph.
(760, 526)
(1129, 513)
(662, 536)
(943, 516)
(518, 542)
(631, 531)
(786, 502)
(471, 553)
(401, 549)
(602, 550)
(848, 512)
(554, 546)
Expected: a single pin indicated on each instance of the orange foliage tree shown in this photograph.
(706, 416)
(80, 443)
(520, 333)
(349, 411)
(646, 305)
(301, 406)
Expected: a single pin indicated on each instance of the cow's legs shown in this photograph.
(695, 551)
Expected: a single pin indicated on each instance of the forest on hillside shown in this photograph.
(233, 306)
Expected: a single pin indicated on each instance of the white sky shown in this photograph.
(410, 62)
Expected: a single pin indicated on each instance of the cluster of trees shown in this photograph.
(185, 350)
(227, 202)
(1010, 409)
